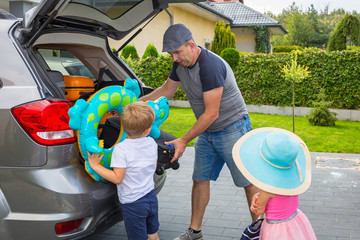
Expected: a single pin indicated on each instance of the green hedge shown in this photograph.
(338, 73)
(154, 71)
(261, 82)
(277, 49)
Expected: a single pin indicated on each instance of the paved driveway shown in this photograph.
(332, 202)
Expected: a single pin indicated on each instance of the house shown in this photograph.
(200, 17)
(242, 21)
(18, 7)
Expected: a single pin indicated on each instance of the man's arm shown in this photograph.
(168, 90)
(212, 101)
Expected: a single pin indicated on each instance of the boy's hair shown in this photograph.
(136, 118)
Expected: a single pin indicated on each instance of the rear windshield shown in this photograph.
(64, 62)
(112, 8)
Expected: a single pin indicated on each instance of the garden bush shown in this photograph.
(153, 72)
(320, 115)
(282, 49)
(353, 48)
(231, 56)
(313, 49)
(150, 51)
(129, 51)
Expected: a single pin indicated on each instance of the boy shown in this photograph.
(134, 162)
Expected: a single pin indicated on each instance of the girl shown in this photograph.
(279, 163)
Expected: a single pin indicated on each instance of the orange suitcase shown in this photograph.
(75, 85)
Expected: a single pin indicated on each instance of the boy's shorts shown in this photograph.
(141, 217)
(213, 149)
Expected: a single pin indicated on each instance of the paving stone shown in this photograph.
(332, 204)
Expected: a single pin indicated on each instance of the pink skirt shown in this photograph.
(298, 227)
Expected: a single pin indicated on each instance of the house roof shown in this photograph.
(241, 15)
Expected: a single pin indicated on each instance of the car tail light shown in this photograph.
(69, 226)
(46, 121)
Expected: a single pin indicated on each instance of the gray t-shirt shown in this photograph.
(209, 72)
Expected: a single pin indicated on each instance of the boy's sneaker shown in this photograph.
(190, 235)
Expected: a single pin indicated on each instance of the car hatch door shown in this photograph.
(110, 18)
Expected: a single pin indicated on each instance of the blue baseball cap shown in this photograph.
(175, 36)
(274, 160)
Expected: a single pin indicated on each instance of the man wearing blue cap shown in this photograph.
(221, 114)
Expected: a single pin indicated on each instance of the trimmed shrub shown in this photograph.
(129, 51)
(150, 51)
(283, 49)
(231, 56)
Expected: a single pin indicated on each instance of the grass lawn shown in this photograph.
(344, 137)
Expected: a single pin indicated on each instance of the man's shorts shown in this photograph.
(213, 149)
(141, 217)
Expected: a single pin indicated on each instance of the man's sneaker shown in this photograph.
(190, 235)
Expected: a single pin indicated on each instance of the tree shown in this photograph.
(223, 38)
(308, 28)
(347, 30)
(320, 36)
(298, 25)
(300, 30)
(294, 73)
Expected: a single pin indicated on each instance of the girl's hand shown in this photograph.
(259, 202)
(254, 206)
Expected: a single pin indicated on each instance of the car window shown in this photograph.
(64, 62)
(113, 9)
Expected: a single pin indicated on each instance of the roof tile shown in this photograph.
(241, 14)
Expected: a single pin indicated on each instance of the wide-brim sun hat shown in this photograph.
(274, 160)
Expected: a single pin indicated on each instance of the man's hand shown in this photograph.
(179, 145)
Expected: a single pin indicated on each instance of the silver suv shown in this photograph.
(45, 192)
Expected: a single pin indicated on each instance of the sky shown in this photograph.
(276, 6)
